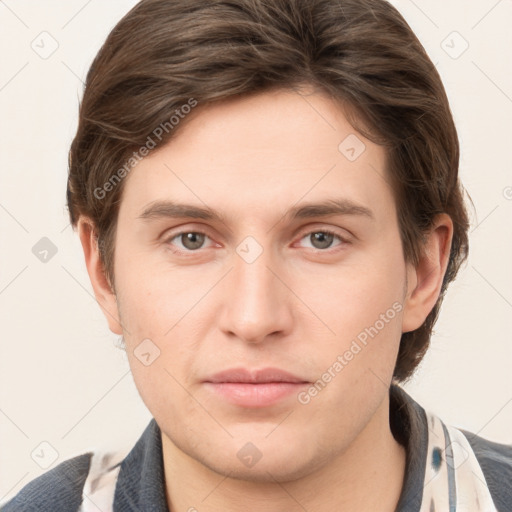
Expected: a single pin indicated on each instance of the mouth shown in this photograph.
(256, 388)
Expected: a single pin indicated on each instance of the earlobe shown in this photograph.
(426, 279)
(103, 292)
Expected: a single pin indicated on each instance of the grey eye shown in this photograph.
(321, 239)
(191, 240)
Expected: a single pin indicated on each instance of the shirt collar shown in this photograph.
(408, 423)
(140, 485)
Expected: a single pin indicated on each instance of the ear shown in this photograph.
(104, 294)
(424, 282)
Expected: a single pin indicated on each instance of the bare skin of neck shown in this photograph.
(367, 476)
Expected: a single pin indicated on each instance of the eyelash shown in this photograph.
(343, 241)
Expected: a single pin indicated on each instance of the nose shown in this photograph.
(256, 301)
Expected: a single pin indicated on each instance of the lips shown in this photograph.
(254, 388)
(262, 376)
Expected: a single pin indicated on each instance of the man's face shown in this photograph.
(260, 288)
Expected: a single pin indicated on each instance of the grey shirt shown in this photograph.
(140, 484)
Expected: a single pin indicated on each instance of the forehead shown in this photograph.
(262, 155)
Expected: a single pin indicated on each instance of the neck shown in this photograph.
(373, 462)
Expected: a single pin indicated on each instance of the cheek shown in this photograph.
(158, 346)
(153, 297)
(353, 296)
(164, 392)
(362, 305)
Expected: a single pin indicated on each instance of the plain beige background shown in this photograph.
(66, 388)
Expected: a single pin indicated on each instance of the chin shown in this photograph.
(262, 473)
(272, 466)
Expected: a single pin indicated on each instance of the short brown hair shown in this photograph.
(362, 53)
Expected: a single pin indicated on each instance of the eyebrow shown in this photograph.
(171, 209)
